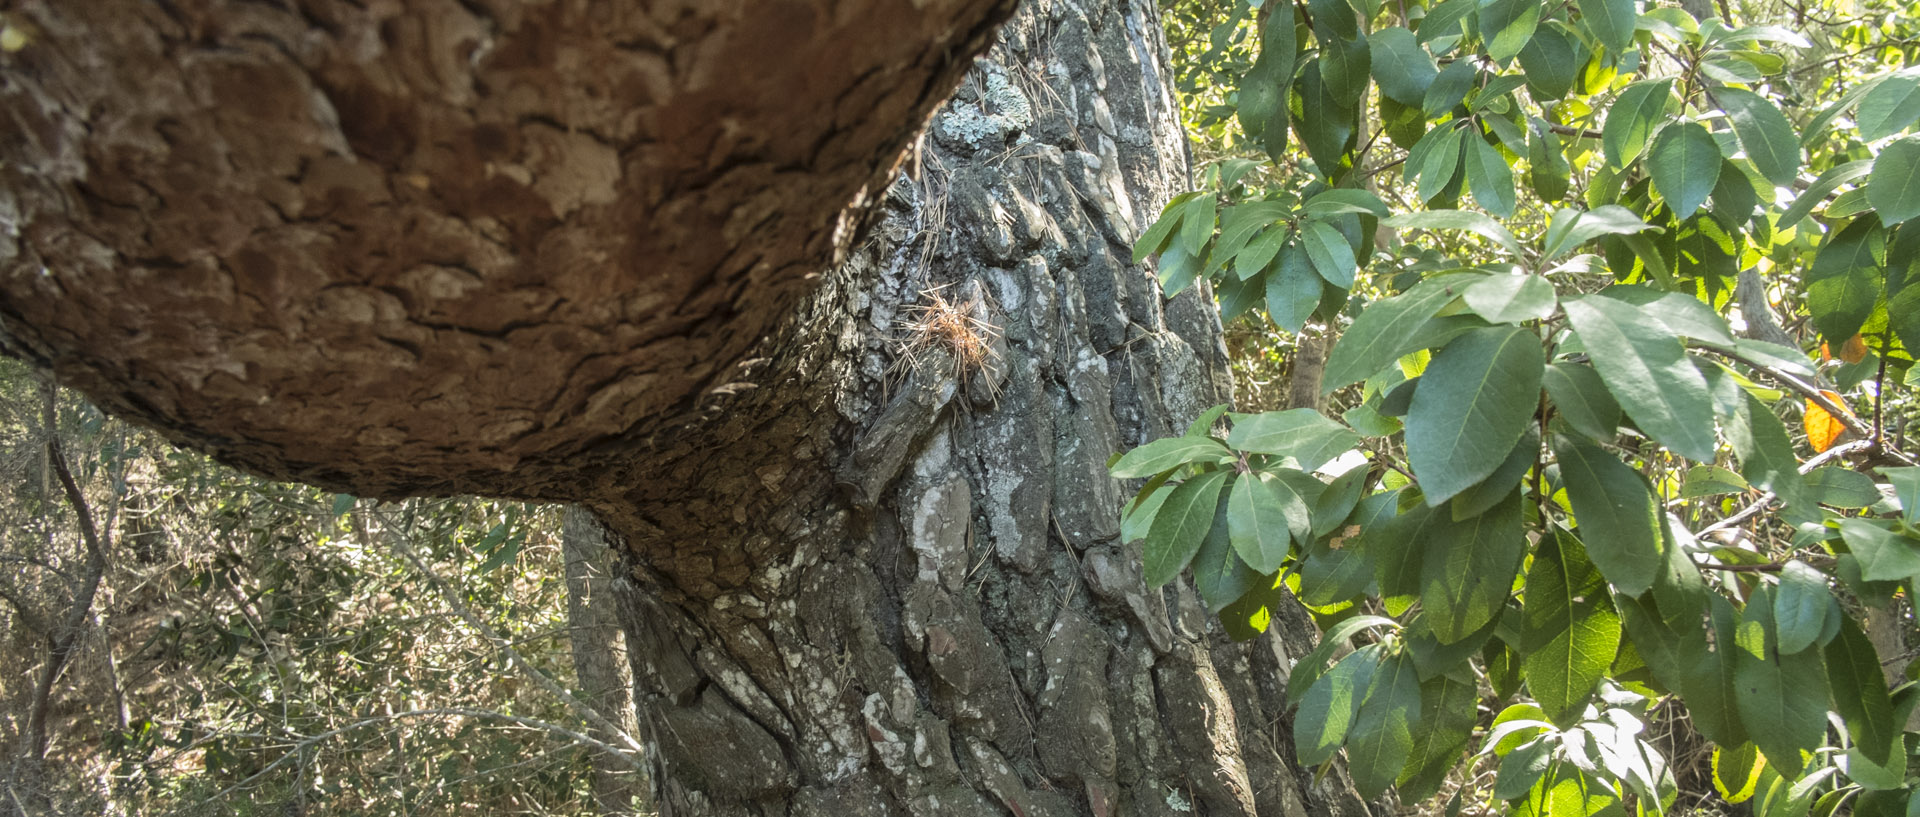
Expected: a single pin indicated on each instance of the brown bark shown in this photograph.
(439, 246)
(858, 587)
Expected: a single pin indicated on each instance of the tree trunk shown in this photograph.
(889, 581)
(578, 252)
(601, 666)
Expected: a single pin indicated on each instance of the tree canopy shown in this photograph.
(1626, 301)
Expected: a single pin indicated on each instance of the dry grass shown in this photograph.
(955, 326)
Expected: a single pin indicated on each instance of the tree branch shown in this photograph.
(1812, 394)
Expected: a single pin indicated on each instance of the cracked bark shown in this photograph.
(851, 587)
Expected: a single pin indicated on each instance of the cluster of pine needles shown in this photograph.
(955, 326)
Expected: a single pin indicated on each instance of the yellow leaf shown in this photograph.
(1824, 429)
(1853, 350)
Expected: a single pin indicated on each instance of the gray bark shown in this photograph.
(601, 666)
(868, 587)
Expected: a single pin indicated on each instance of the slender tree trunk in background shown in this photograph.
(865, 587)
(602, 674)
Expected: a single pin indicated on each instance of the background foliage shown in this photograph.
(1603, 498)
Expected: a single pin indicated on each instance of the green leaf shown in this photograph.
(1171, 452)
(1196, 224)
(1800, 606)
(1337, 502)
(1884, 555)
(1155, 238)
(1221, 577)
(1816, 193)
(1735, 771)
(1840, 487)
(1327, 713)
(1611, 21)
(1447, 717)
(1456, 220)
(1478, 499)
(1181, 525)
(1467, 415)
(1782, 698)
(1846, 278)
(1906, 488)
(1685, 164)
(1326, 123)
(1489, 177)
(1619, 523)
(1894, 187)
(1571, 228)
(1238, 227)
(1260, 251)
(1304, 434)
(1888, 107)
(1263, 91)
(1552, 61)
(1569, 631)
(1345, 200)
(1382, 737)
(1467, 568)
(1344, 65)
(1511, 298)
(1403, 69)
(1712, 480)
(1308, 671)
(1263, 516)
(1548, 170)
(1202, 426)
(1449, 89)
(1860, 692)
(1138, 517)
(342, 503)
(1582, 400)
(1760, 442)
(1649, 373)
(1764, 132)
(1444, 20)
(1709, 678)
(1379, 336)
(1330, 253)
(1439, 165)
(1680, 312)
(1522, 768)
(1507, 25)
(1640, 108)
(1293, 289)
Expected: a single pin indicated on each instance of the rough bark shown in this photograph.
(439, 246)
(561, 255)
(867, 587)
(601, 667)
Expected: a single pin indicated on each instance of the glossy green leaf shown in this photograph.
(1552, 61)
(1782, 698)
(1816, 193)
(1571, 228)
(1906, 489)
(1162, 230)
(1450, 88)
(1345, 64)
(1440, 164)
(1337, 502)
(1888, 107)
(1171, 452)
(1466, 417)
(1498, 486)
(1736, 770)
(1636, 112)
(1327, 712)
(1511, 298)
(1709, 680)
(1489, 177)
(1764, 132)
(1840, 487)
(1196, 224)
(1860, 692)
(1712, 480)
(1648, 371)
(1304, 434)
(1619, 522)
(1330, 253)
(1308, 670)
(1894, 187)
(1263, 91)
(1447, 716)
(1264, 516)
(1759, 440)
(1611, 22)
(1680, 312)
(1548, 170)
(1685, 164)
(1382, 736)
(1181, 525)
